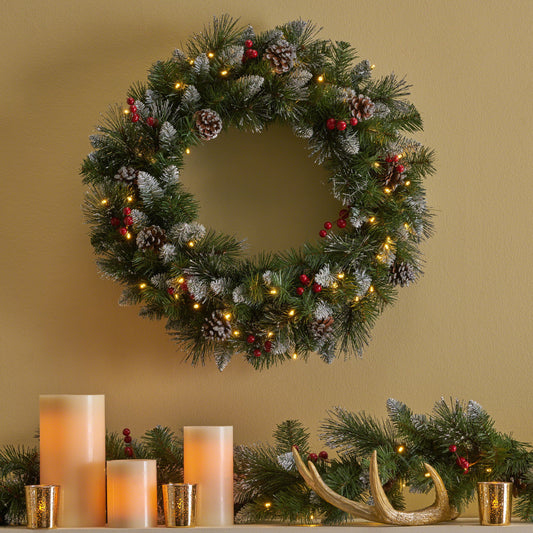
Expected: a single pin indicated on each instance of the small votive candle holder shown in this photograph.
(494, 499)
(179, 501)
(42, 505)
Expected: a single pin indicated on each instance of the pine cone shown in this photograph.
(322, 330)
(360, 106)
(281, 56)
(402, 274)
(393, 176)
(151, 238)
(217, 327)
(208, 123)
(127, 175)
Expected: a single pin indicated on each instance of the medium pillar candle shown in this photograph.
(132, 493)
(72, 451)
(208, 462)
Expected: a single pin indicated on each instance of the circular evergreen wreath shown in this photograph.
(323, 297)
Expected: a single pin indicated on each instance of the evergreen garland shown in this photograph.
(144, 224)
(268, 487)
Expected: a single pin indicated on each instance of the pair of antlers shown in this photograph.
(382, 510)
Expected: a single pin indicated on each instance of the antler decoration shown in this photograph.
(382, 510)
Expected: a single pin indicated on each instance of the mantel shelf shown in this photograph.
(462, 525)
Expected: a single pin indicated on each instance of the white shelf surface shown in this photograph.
(461, 525)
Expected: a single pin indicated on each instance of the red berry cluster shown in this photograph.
(151, 121)
(395, 159)
(128, 450)
(250, 52)
(460, 461)
(341, 125)
(341, 222)
(127, 221)
(267, 345)
(314, 457)
(304, 280)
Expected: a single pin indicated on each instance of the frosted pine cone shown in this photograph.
(217, 327)
(393, 176)
(281, 56)
(151, 238)
(208, 123)
(402, 274)
(361, 106)
(127, 175)
(322, 330)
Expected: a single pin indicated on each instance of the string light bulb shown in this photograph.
(224, 72)
(227, 316)
(178, 85)
(187, 151)
(335, 285)
(294, 355)
(236, 333)
(357, 299)
(292, 312)
(372, 67)
(427, 474)
(142, 286)
(270, 334)
(267, 505)
(488, 470)
(372, 220)
(407, 183)
(340, 275)
(371, 288)
(190, 244)
(129, 198)
(320, 78)
(181, 280)
(401, 448)
(126, 111)
(104, 201)
(273, 291)
(128, 235)
(210, 55)
(196, 306)
(376, 164)
(386, 190)
(191, 61)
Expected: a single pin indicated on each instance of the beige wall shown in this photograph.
(464, 330)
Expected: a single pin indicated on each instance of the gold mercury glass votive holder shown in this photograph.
(494, 499)
(42, 505)
(179, 501)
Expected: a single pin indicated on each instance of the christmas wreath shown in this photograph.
(323, 297)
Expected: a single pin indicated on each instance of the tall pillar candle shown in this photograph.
(72, 452)
(208, 462)
(132, 493)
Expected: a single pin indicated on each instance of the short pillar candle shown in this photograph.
(132, 493)
(208, 462)
(72, 455)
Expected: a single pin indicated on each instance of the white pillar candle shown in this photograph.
(132, 493)
(72, 450)
(208, 462)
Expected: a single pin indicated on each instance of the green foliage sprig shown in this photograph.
(144, 224)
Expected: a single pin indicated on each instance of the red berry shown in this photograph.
(250, 339)
(341, 125)
(126, 432)
(452, 448)
(130, 100)
(465, 471)
(268, 346)
(331, 123)
(128, 221)
(184, 287)
(128, 450)
(133, 108)
(304, 279)
(171, 290)
(296, 447)
(396, 158)
(389, 159)
(312, 457)
(127, 439)
(251, 53)
(257, 353)
(248, 43)
(300, 291)
(254, 54)
(323, 455)
(353, 121)
(328, 225)
(341, 223)
(317, 287)
(123, 231)
(322, 233)
(343, 213)
(126, 211)
(115, 222)
(400, 168)
(150, 121)
(135, 117)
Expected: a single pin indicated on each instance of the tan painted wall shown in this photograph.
(464, 330)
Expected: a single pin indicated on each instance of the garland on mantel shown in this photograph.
(458, 439)
(323, 297)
